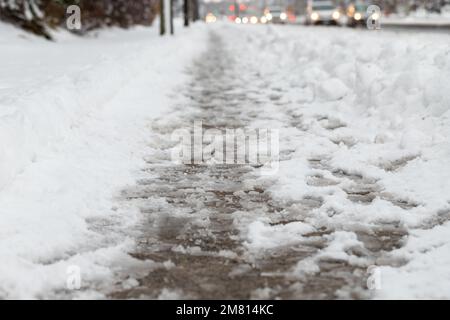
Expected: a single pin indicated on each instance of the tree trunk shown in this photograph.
(186, 12)
(195, 10)
(172, 30)
(162, 18)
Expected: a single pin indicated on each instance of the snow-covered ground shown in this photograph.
(364, 126)
(73, 116)
(374, 105)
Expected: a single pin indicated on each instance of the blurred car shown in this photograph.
(322, 12)
(250, 15)
(357, 14)
(275, 15)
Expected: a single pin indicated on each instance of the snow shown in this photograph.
(261, 235)
(371, 104)
(73, 117)
(426, 276)
(333, 89)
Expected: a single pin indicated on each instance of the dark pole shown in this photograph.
(186, 12)
(162, 19)
(195, 13)
(172, 31)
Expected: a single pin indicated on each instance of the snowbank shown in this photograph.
(73, 118)
(369, 109)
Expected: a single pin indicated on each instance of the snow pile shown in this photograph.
(261, 235)
(426, 276)
(41, 112)
(73, 118)
(366, 114)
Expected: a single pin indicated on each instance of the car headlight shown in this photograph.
(336, 15)
(269, 16)
(283, 16)
(314, 16)
(244, 20)
(263, 19)
(357, 16)
(238, 20)
(254, 20)
(210, 18)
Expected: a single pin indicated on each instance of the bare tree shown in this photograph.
(39, 15)
(25, 14)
